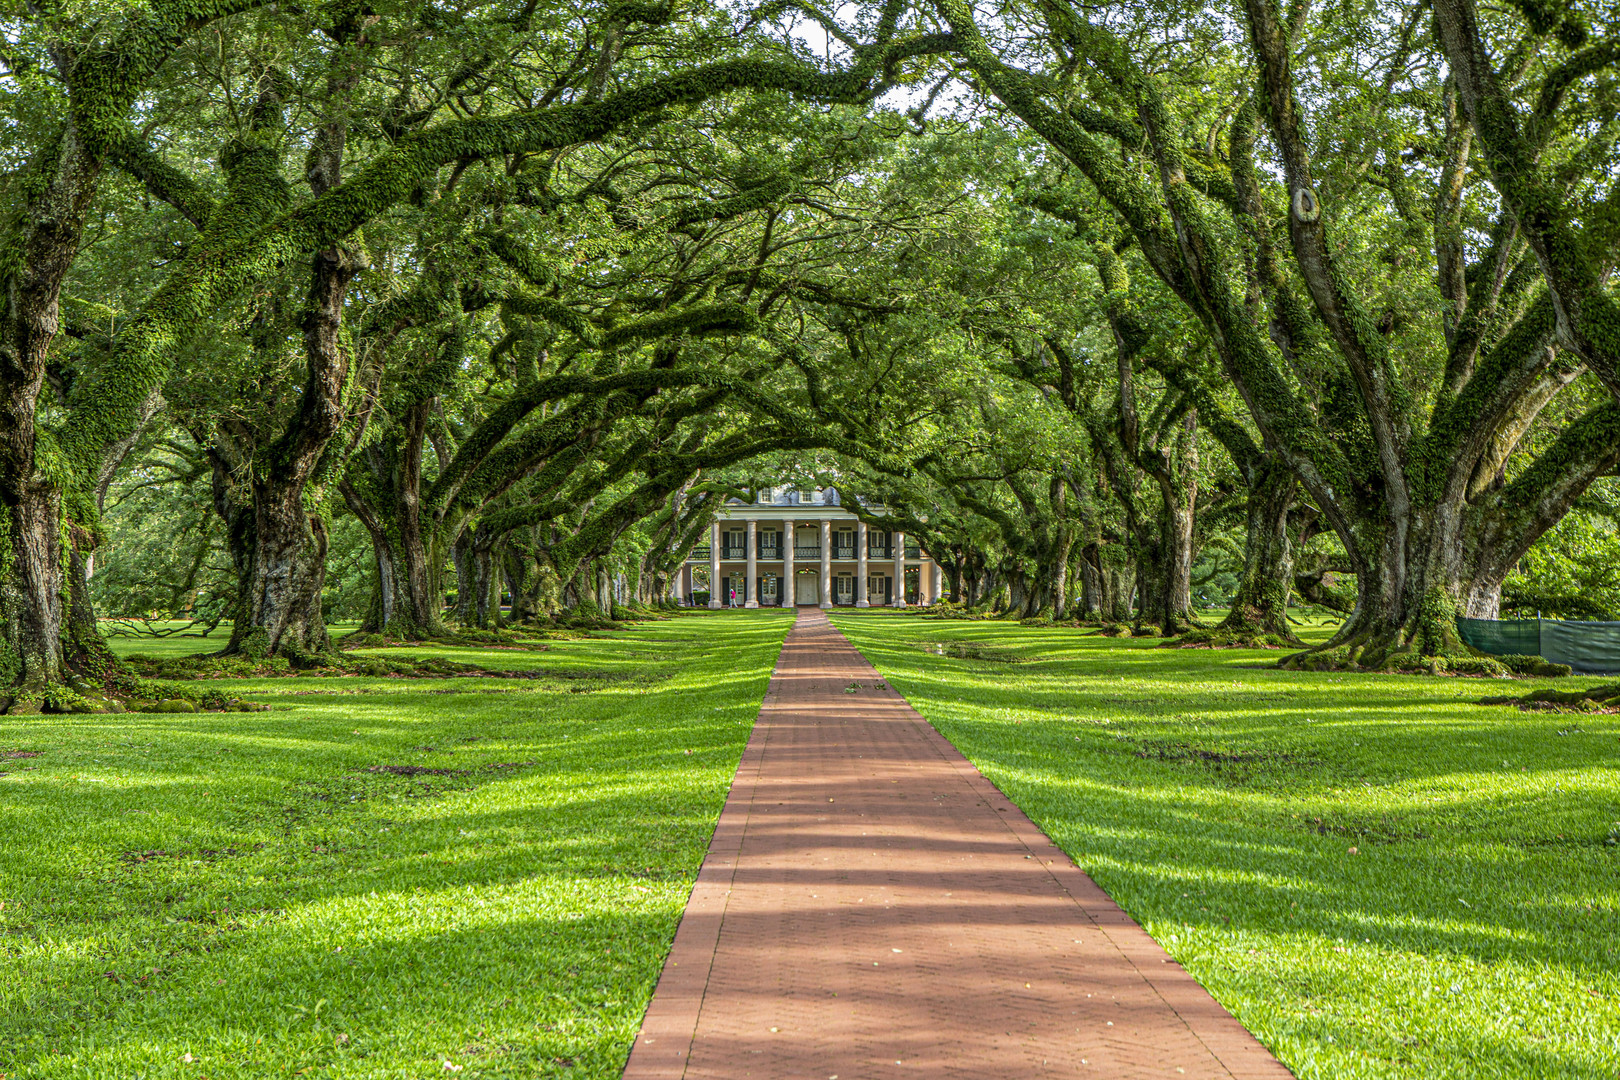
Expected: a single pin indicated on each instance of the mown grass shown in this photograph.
(1379, 878)
(171, 646)
(286, 893)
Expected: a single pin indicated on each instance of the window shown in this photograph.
(768, 587)
(765, 496)
(844, 589)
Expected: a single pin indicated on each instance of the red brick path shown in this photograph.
(871, 906)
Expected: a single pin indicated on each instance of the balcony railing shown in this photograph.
(700, 553)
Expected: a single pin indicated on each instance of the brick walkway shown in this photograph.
(872, 907)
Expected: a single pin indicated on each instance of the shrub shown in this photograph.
(1521, 664)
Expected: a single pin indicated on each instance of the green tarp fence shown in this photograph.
(1590, 648)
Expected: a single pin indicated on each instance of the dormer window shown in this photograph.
(765, 495)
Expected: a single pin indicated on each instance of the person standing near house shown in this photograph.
(733, 597)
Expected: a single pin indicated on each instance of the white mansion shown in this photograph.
(791, 547)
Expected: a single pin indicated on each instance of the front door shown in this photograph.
(806, 589)
(877, 590)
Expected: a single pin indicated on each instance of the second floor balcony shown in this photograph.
(772, 552)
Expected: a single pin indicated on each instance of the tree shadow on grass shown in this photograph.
(248, 848)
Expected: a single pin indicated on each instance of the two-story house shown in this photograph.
(792, 547)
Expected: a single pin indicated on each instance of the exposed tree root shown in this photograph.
(1264, 624)
(1219, 638)
(1604, 699)
(1427, 643)
(333, 663)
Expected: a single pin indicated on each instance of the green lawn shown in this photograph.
(239, 895)
(173, 645)
(185, 643)
(1377, 877)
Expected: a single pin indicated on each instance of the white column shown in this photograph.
(686, 583)
(788, 598)
(826, 562)
(750, 600)
(936, 578)
(860, 565)
(714, 565)
(899, 541)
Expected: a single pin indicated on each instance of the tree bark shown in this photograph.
(280, 612)
(31, 583)
(1260, 605)
(31, 597)
(1090, 582)
(387, 502)
(465, 557)
(1174, 470)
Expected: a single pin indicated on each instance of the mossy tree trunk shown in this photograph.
(31, 595)
(384, 492)
(280, 609)
(478, 600)
(1119, 592)
(1019, 596)
(677, 529)
(1037, 539)
(1451, 559)
(45, 492)
(1260, 604)
(953, 579)
(1160, 537)
(1174, 471)
(486, 612)
(472, 576)
(1091, 584)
